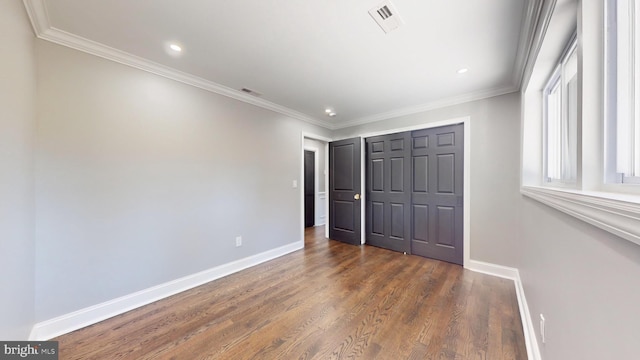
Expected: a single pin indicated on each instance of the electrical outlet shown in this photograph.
(238, 241)
(542, 329)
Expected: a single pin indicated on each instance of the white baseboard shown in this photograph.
(84, 317)
(533, 351)
(493, 269)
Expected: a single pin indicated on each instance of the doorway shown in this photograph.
(313, 188)
(309, 188)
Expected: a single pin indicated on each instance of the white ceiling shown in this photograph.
(304, 56)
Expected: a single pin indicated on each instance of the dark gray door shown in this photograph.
(388, 210)
(437, 193)
(344, 191)
(309, 188)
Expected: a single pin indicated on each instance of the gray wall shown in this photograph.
(495, 151)
(584, 280)
(17, 119)
(141, 180)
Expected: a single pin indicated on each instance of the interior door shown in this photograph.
(309, 188)
(345, 191)
(437, 193)
(388, 210)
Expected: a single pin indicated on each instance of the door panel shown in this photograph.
(344, 219)
(445, 224)
(437, 194)
(420, 220)
(397, 175)
(344, 188)
(446, 165)
(377, 175)
(446, 139)
(397, 221)
(388, 193)
(344, 178)
(420, 174)
(377, 218)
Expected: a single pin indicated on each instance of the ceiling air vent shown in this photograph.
(386, 15)
(250, 92)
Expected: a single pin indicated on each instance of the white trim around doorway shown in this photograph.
(326, 140)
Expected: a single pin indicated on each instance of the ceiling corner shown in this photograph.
(38, 14)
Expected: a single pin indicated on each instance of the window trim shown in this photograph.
(617, 214)
(556, 80)
(614, 180)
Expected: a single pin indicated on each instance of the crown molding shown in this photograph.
(530, 41)
(541, 24)
(437, 104)
(530, 16)
(37, 11)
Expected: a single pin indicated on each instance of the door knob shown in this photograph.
(356, 196)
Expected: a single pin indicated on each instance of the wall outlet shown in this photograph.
(542, 329)
(238, 241)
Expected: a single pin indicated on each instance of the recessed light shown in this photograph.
(175, 47)
(332, 114)
(328, 111)
(462, 71)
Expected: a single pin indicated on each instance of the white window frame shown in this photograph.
(613, 207)
(560, 147)
(622, 95)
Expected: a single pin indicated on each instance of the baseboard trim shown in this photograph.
(533, 351)
(493, 269)
(84, 317)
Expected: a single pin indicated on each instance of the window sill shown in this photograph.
(618, 214)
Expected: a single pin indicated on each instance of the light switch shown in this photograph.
(295, 184)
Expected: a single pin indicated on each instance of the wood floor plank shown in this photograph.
(328, 301)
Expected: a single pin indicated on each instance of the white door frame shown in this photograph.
(326, 178)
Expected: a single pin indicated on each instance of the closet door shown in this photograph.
(437, 193)
(388, 196)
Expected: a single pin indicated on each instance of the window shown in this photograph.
(623, 87)
(561, 120)
(599, 195)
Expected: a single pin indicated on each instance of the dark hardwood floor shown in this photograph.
(328, 301)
